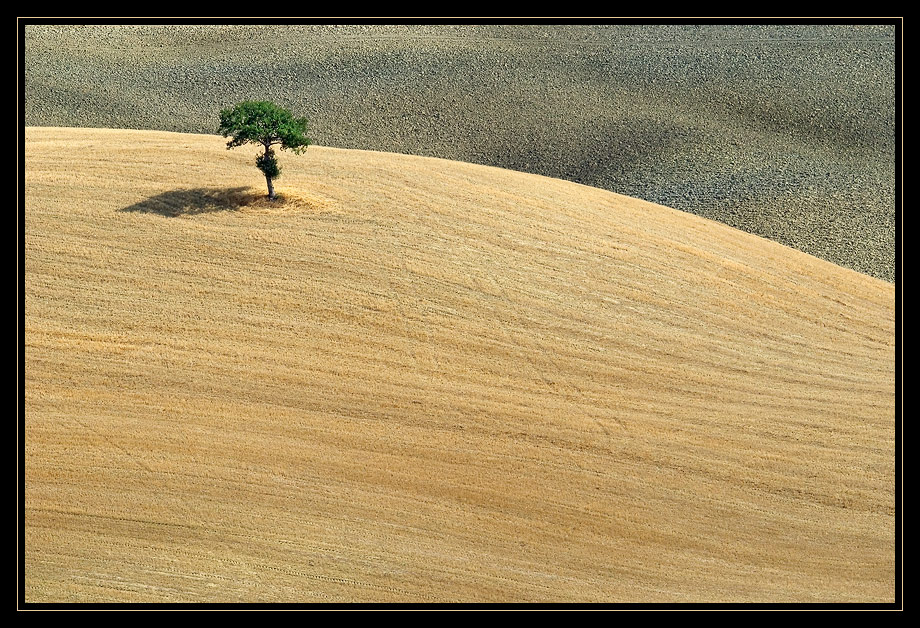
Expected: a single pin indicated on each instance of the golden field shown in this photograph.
(418, 380)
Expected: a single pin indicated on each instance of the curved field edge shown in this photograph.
(784, 131)
(421, 380)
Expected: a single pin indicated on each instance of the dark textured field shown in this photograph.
(783, 131)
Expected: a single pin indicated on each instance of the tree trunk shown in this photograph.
(268, 179)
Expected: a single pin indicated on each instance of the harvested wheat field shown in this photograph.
(417, 380)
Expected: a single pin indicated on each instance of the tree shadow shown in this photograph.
(191, 202)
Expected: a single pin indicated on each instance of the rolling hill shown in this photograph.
(420, 380)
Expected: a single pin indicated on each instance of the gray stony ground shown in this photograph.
(783, 131)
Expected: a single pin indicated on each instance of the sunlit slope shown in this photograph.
(421, 380)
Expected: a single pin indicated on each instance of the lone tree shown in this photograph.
(265, 123)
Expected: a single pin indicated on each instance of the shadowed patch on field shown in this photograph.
(190, 202)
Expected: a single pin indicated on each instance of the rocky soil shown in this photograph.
(787, 132)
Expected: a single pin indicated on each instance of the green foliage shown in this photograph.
(264, 123)
(268, 164)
